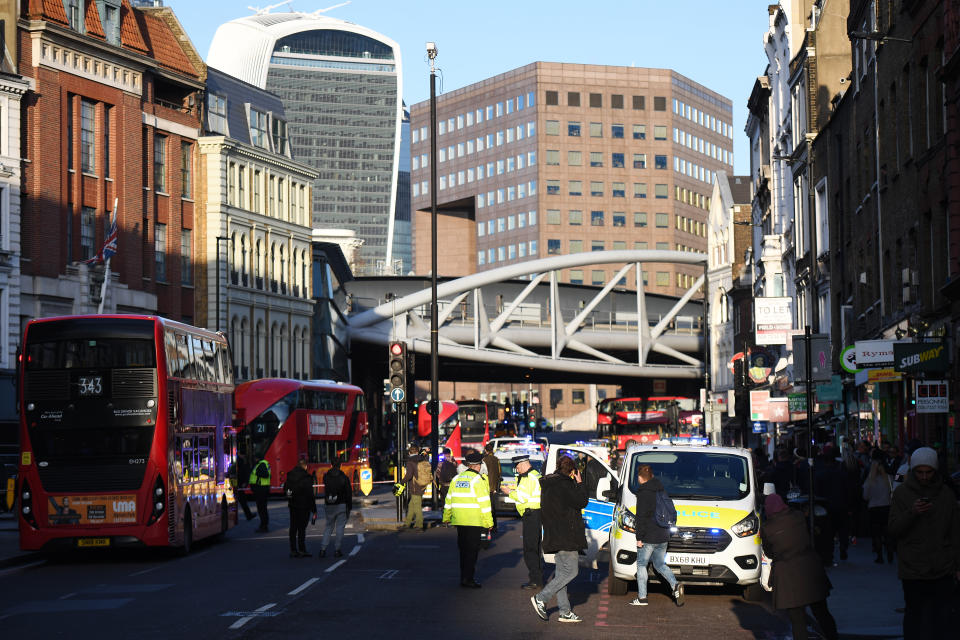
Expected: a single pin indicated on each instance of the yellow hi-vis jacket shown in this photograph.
(256, 480)
(527, 494)
(468, 501)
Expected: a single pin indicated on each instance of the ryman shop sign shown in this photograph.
(920, 356)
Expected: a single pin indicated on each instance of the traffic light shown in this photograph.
(397, 367)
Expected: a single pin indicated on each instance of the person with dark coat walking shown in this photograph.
(830, 483)
(797, 574)
(338, 500)
(492, 463)
(652, 538)
(563, 496)
(302, 502)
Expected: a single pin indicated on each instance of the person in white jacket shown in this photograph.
(876, 491)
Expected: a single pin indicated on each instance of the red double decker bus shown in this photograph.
(280, 419)
(481, 420)
(627, 421)
(125, 433)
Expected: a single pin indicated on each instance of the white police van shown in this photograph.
(715, 490)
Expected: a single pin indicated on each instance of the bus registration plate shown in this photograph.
(688, 559)
(93, 542)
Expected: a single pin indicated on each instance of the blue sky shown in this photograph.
(715, 43)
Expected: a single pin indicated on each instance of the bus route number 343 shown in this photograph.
(90, 385)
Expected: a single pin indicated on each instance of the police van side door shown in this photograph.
(598, 514)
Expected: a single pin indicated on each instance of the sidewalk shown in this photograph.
(865, 595)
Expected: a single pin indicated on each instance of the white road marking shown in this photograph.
(303, 586)
(244, 620)
(69, 595)
(23, 566)
(355, 550)
(334, 565)
(140, 573)
(389, 573)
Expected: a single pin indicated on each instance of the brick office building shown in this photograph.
(113, 114)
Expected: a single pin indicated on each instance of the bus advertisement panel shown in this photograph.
(281, 419)
(125, 433)
(627, 421)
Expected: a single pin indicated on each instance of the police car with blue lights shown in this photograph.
(715, 490)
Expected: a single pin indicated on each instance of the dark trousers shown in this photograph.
(468, 542)
(840, 524)
(798, 618)
(244, 503)
(260, 495)
(879, 539)
(493, 509)
(532, 538)
(927, 611)
(299, 518)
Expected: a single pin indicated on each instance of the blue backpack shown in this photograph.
(663, 511)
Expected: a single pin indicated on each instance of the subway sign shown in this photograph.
(920, 356)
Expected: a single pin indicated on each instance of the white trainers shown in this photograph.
(539, 607)
(639, 602)
(570, 617)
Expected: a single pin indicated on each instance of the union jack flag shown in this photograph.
(109, 246)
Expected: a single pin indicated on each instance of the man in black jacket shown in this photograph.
(338, 499)
(651, 538)
(563, 496)
(302, 503)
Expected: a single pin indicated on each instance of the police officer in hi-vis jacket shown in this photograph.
(468, 508)
(527, 499)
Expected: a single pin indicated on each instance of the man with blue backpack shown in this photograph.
(655, 515)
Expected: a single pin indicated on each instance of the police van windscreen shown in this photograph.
(507, 468)
(695, 475)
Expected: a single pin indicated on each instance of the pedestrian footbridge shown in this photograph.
(522, 316)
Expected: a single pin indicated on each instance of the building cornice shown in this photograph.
(237, 149)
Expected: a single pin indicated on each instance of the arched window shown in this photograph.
(305, 280)
(259, 360)
(283, 270)
(284, 351)
(257, 260)
(274, 350)
(244, 344)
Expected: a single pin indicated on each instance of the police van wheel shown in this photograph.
(615, 586)
(753, 592)
(187, 532)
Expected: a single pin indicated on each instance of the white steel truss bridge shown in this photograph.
(610, 331)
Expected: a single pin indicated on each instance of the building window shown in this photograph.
(159, 163)
(186, 256)
(553, 246)
(553, 157)
(576, 276)
(573, 129)
(596, 129)
(575, 187)
(87, 230)
(553, 216)
(616, 131)
(597, 277)
(574, 158)
(576, 246)
(241, 191)
(639, 189)
(663, 246)
(596, 189)
(87, 136)
(619, 219)
(619, 245)
(659, 132)
(663, 279)
(255, 204)
(616, 160)
(553, 187)
(596, 100)
(216, 113)
(639, 103)
(575, 217)
(640, 246)
(160, 251)
(597, 245)
(106, 140)
(639, 161)
(552, 98)
(639, 219)
(578, 396)
(232, 184)
(596, 158)
(74, 14)
(660, 191)
(258, 129)
(616, 101)
(552, 127)
(660, 162)
(596, 218)
(659, 103)
(186, 169)
(573, 99)
(662, 221)
(639, 132)
(280, 136)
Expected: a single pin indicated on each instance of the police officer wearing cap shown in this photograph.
(468, 508)
(527, 499)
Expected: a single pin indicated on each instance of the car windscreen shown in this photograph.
(508, 469)
(695, 475)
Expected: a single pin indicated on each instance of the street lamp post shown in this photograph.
(434, 404)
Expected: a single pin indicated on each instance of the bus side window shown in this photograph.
(209, 362)
(183, 356)
(170, 351)
(196, 359)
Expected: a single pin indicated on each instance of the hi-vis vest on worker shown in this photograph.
(468, 501)
(527, 494)
(257, 480)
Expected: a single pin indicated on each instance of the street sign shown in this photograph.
(397, 394)
(821, 367)
(848, 359)
(366, 480)
(920, 356)
(760, 426)
(874, 353)
(773, 319)
(932, 396)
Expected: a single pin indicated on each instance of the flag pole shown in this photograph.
(106, 263)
